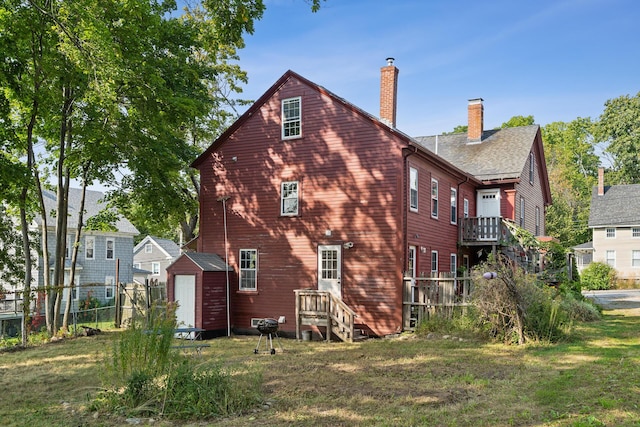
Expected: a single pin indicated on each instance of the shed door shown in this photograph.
(184, 293)
(329, 269)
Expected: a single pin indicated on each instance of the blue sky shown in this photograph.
(556, 60)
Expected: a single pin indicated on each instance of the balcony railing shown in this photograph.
(482, 230)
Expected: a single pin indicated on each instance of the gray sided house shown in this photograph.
(99, 251)
(152, 256)
(615, 221)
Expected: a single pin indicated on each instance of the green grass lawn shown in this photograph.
(592, 379)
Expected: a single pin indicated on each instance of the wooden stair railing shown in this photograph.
(322, 308)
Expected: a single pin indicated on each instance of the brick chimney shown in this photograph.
(476, 120)
(388, 93)
(600, 181)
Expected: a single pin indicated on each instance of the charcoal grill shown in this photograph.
(268, 329)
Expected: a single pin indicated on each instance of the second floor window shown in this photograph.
(635, 232)
(434, 198)
(111, 248)
(466, 208)
(532, 167)
(413, 189)
(248, 269)
(289, 198)
(522, 212)
(537, 220)
(454, 206)
(155, 268)
(611, 233)
(89, 247)
(291, 118)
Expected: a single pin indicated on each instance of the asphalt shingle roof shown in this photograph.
(93, 204)
(208, 262)
(501, 155)
(618, 206)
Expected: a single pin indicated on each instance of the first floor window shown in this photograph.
(111, 247)
(413, 189)
(434, 262)
(289, 198)
(454, 263)
(248, 269)
(635, 258)
(434, 198)
(155, 268)
(611, 258)
(109, 287)
(89, 247)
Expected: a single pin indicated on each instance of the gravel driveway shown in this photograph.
(620, 299)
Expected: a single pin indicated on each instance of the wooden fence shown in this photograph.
(428, 296)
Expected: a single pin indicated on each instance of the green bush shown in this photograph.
(581, 309)
(598, 276)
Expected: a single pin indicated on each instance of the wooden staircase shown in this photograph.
(322, 308)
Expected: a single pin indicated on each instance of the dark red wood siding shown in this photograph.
(350, 173)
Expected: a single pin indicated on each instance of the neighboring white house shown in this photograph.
(152, 256)
(615, 221)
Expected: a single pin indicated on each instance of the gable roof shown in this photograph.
(500, 156)
(168, 247)
(205, 261)
(93, 205)
(616, 206)
(409, 141)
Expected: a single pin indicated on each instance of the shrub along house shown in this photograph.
(306, 191)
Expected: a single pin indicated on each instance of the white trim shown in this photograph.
(248, 269)
(297, 118)
(413, 180)
(113, 248)
(283, 198)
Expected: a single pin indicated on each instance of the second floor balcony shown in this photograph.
(478, 231)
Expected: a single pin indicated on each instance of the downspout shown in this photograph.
(224, 199)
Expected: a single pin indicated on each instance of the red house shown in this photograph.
(307, 191)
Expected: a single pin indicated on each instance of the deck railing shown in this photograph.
(428, 296)
(481, 230)
(322, 308)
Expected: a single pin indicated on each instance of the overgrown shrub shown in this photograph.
(598, 276)
(144, 377)
(580, 309)
(513, 306)
(461, 321)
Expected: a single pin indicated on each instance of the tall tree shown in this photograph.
(618, 128)
(572, 165)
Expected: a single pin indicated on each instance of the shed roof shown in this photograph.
(205, 261)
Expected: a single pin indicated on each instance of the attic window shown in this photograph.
(291, 118)
(148, 248)
(532, 163)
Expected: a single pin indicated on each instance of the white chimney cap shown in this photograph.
(390, 61)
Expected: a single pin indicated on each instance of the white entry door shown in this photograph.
(184, 293)
(329, 269)
(488, 213)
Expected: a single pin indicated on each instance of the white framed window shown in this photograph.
(465, 207)
(89, 247)
(412, 269)
(611, 258)
(248, 269)
(434, 198)
(291, 118)
(148, 248)
(289, 198)
(635, 258)
(453, 267)
(111, 248)
(69, 246)
(537, 220)
(532, 164)
(413, 189)
(454, 206)
(434, 262)
(635, 232)
(109, 287)
(155, 268)
(522, 212)
(137, 265)
(610, 233)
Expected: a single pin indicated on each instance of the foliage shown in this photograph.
(461, 321)
(572, 166)
(580, 309)
(598, 276)
(514, 307)
(517, 121)
(105, 220)
(619, 129)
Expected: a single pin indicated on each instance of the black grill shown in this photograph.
(268, 327)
